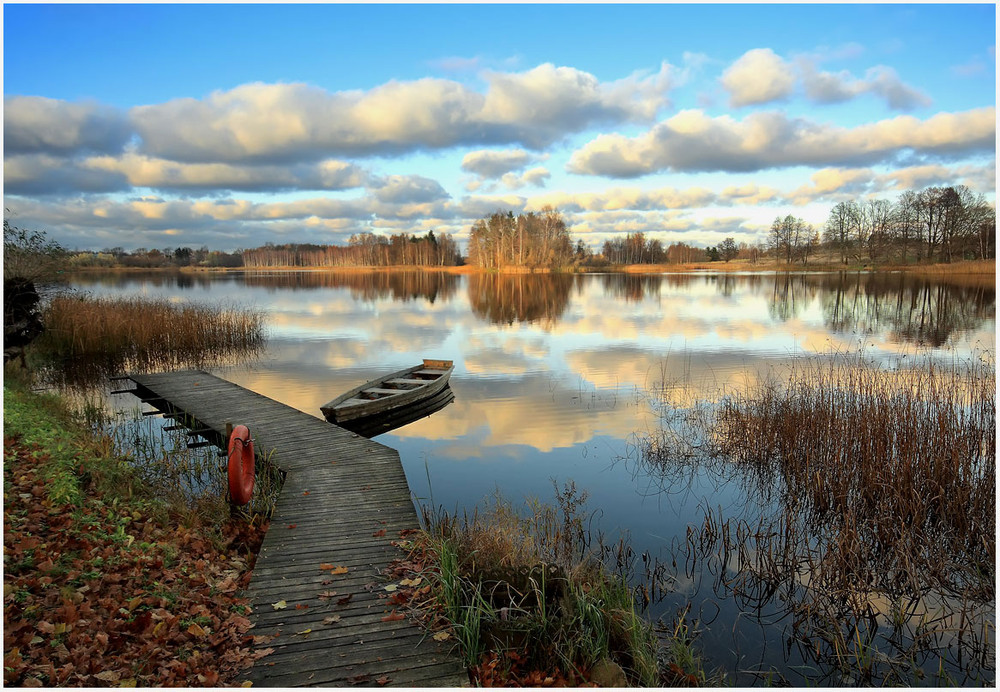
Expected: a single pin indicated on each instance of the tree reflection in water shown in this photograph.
(363, 285)
(366, 285)
(906, 308)
(510, 298)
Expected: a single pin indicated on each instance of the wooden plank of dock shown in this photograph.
(340, 490)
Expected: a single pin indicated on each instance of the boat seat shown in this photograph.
(352, 402)
(403, 380)
(427, 371)
(387, 392)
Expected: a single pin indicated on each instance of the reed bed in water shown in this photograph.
(898, 465)
(107, 335)
(869, 517)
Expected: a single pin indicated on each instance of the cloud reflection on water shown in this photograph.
(551, 361)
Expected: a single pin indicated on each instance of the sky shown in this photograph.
(230, 126)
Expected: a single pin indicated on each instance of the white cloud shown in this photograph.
(693, 141)
(828, 87)
(33, 124)
(535, 177)
(761, 76)
(408, 189)
(758, 76)
(842, 184)
(505, 168)
(274, 122)
(616, 199)
(163, 174)
(47, 174)
(494, 164)
(884, 82)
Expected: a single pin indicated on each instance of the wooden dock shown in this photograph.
(341, 492)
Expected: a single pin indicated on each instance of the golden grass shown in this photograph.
(104, 336)
(871, 495)
(988, 266)
(898, 465)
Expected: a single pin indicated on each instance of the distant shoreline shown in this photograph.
(965, 267)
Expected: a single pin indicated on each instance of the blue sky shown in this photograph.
(231, 126)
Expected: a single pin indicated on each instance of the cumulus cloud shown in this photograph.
(835, 185)
(56, 175)
(478, 206)
(750, 194)
(761, 76)
(535, 177)
(408, 189)
(841, 184)
(829, 87)
(884, 82)
(977, 177)
(617, 199)
(494, 164)
(33, 124)
(46, 174)
(505, 167)
(758, 76)
(274, 122)
(163, 174)
(693, 141)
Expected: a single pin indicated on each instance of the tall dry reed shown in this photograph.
(873, 537)
(89, 336)
(899, 465)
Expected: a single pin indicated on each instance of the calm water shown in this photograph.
(552, 375)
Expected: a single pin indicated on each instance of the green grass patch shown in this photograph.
(65, 452)
(529, 604)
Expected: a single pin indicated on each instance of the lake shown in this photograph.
(553, 379)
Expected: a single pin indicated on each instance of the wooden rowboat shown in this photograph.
(376, 425)
(391, 396)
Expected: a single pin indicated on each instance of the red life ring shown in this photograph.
(241, 466)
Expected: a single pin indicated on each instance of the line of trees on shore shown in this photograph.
(937, 224)
(636, 248)
(362, 250)
(143, 258)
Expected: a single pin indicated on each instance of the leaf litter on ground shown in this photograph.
(97, 594)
